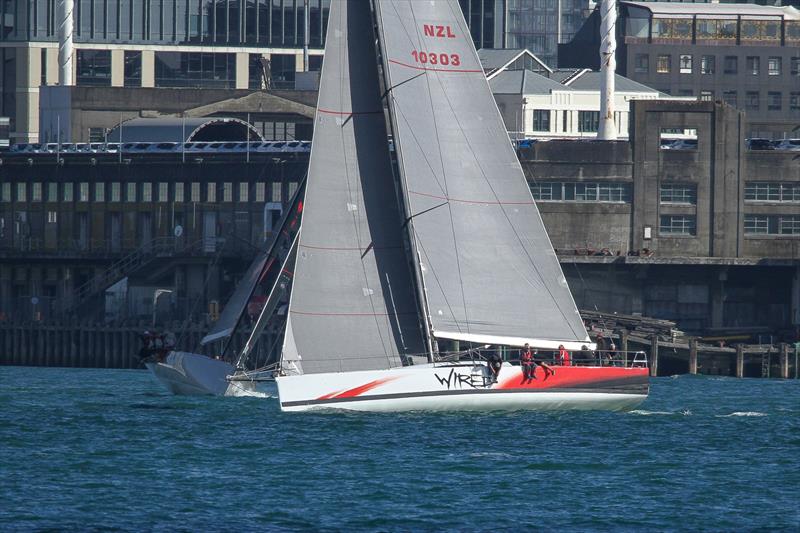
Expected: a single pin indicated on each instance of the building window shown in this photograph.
(756, 191)
(244, 189)
(731, 65)
(794, 66)
(588, 121)
(774, 66)
(612, 192)
(52, 192)
(753, 65)
(729, 97)
(260, 187)
(115, 191)
(706, 96)
(227, 191)
(133, 68)
(94, 67)
(36, 192)
(541, 120)
(22, 192)
(211, 192)
(195, 69)
(772, 224)
(707, 65)
(52, 217)
(672, 225)
(130, 195)
(163, 192)
(686, 64)
(794, 101)
(663, 64)
(83, 192)
(641, 63)
(68, 192)
(276, 192)
(147, 192)
(99, 192)
(195, 192)
(751, 100)
(774, 101)
(5, 192)
(678, 193)
(292, 188)
(179, 192)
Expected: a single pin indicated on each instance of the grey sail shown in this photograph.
(352, 305)
(235, 306)
(489, 270)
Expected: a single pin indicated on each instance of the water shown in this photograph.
(105, 449)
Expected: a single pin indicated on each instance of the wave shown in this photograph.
(743, 413)
(644, 412)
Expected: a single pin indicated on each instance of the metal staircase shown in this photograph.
(131, 263)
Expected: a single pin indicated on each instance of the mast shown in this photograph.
(608, 66)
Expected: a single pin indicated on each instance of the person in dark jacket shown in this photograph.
(495, 363)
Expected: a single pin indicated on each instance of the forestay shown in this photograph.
(352, 305)
(489, 269)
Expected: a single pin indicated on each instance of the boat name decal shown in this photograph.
(456, 380)
(433, 58)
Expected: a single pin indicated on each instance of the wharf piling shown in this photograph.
(693, 356)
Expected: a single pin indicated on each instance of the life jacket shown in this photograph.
(526, 357)
(564, 356)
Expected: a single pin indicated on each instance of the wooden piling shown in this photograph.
(739, 361)
(784, 361)
(693, 356)
(654, 355)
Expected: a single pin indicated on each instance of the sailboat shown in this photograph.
(187, 373)
(406, 276)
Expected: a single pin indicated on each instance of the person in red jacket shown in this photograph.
(527, 363)
(563, 356)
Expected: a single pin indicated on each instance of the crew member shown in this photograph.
(563, 356)
(548, 371)
(527, 363)
(495, 362)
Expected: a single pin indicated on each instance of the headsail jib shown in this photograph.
(487, 263)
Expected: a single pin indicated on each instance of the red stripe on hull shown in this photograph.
(566, 377)
(357, 391)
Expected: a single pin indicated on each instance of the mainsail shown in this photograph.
(490, 272)
(352, 305)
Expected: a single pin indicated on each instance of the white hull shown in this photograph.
(465, 387)
(189, 374)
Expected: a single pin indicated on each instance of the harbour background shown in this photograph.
(107, 449)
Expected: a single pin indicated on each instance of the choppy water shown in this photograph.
(99, 449)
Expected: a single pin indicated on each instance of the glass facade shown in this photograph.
(272, 23)
(540, 25)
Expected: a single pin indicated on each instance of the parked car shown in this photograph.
(759, 144)
(792, 145)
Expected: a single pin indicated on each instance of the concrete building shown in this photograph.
(708, 236)
(562, 103)
(746, 55)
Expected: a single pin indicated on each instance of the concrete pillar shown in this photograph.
(784, 361)
(693, 356)
(29, 77)
(739, 361)
(148, 68)
(654, 355)
(298, 62)
(51, 66)
(242, 70)
(117, 68)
